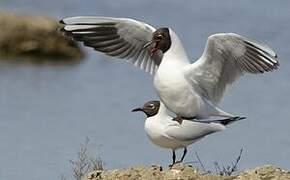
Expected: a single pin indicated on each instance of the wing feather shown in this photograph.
(117, 37)
(192, 131)
(226, 57)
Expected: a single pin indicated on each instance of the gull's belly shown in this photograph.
(165, 142)
(155, 133)
(179, 96)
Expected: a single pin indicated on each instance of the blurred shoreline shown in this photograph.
(35, 38)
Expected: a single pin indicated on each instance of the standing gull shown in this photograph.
(190, 90)
(164, 132)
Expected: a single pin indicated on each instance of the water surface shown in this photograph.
(48, 110)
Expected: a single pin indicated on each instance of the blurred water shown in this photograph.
(47, 111)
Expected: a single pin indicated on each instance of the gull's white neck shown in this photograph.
(176, 52)
(162, 110)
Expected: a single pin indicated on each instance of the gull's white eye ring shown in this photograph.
(159, 36)
(151, 106)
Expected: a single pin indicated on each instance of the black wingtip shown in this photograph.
(61, 21)
(231, 120)
(61, 30)
(239, 118)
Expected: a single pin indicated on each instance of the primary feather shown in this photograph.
(118, 37)
(226, 57)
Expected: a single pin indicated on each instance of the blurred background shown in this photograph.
(48, 109)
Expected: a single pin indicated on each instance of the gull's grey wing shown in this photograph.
(119, 37)
(191, 130)
(226, 57)
(224, 122)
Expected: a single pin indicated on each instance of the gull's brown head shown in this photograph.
(160, 41)
(150, 108)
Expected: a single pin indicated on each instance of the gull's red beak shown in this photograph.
(148, 44)
(153, 47)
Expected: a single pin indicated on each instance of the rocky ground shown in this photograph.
(34, 36)
(181, 171)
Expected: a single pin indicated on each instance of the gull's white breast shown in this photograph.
(177, 93)
(156, 131)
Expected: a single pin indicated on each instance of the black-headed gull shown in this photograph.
(166, 133)
(190, 90)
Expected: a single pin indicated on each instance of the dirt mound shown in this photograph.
(181, 171)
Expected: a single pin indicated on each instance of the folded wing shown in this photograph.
(192, 131)
(226, 57)
(118, 37)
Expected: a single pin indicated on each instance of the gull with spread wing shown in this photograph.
(190, 90)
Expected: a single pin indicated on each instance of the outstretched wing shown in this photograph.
(119, 37)
(226, 57)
